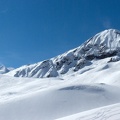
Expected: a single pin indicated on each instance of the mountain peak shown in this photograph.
(111, 30)
(108, 39)
(108, 34)
(4, 69)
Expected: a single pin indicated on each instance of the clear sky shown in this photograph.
(34, 30)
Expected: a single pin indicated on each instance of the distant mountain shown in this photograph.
(4, 69)
(102, 45)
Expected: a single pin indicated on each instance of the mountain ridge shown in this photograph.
(102, 45)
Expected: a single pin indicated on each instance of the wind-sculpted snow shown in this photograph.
(85, 88)
(102, 45)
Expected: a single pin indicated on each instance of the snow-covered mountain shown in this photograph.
(88, 80)
(4, 69)
(102, 45)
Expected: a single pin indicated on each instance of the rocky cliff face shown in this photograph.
(102, 45)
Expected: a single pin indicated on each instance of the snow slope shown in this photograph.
(30, 102)
(93, 86)
(111, 112)
(102, 45)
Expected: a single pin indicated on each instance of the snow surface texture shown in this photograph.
(111, 112)
(102, 45)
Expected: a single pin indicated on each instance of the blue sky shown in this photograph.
(34, 30)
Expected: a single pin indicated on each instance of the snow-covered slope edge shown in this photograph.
(102, 45)
(111, 112)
